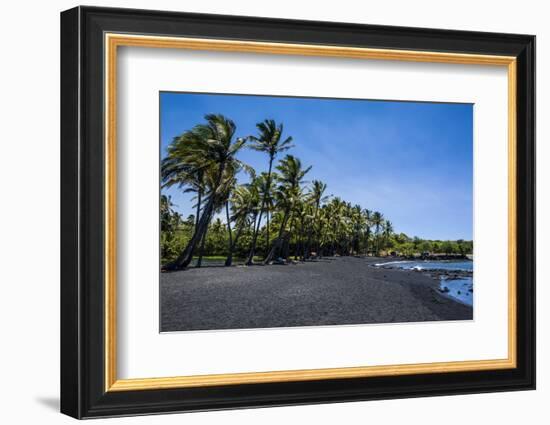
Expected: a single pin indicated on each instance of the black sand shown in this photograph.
(330, 291)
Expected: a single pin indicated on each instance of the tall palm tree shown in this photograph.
(323, 231)
(339, 224)
(223, 192)
(367, 219)
(349, 232)
(244, 201)
(317, 197)
(268, 141)
(357, 221)
(287, 193)
(263, 183)
(377, 221)
(229, 185)
(388, 230)
(210, 149)
(302, 213)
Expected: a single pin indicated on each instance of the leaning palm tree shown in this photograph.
(287, 193)
(210, 150)
(268, 141)
(180, 168)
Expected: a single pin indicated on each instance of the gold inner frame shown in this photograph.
(113, 41)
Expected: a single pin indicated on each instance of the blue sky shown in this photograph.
(412, 161)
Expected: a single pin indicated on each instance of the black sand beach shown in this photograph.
(330, 291)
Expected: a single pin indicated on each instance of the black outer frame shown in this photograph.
(82, 212)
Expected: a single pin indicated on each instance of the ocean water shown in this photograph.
(429, 265)
(461, 289)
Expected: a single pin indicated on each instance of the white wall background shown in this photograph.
(29, 213)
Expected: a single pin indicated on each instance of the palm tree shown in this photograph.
(367, 219)
(388, 230)
(269, 142)
(286, 194)
(180, 168)
(210, 149)
(227, 183)
(244, 201)
(317, 191)
(377, 221)
(357, 221)
(203, 161)
(346, 229)
(265, 190)
(167, 214)
(334, 216)
(170, 220)
(302, 213)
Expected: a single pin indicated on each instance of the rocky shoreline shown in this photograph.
(440, 276)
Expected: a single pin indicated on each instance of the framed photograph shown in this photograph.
(261, 212)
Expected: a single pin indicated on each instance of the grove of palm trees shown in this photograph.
(273, 215)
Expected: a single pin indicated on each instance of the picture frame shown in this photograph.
(90, 39)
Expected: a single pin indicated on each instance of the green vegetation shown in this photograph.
(275, 215)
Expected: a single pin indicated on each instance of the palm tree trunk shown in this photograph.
(267, 229)
(197, 216)
(277, 243)
(297, 246)
(319, 237)
(228, 225)
(256, 230)
(185, 258)
(229, 259)
(302, 246)
(201, 248)
(288, 240)
(333, 242)
(286, 253)
(307, 245)
(249, 261)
